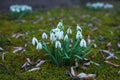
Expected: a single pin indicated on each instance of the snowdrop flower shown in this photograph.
(52, 37)
(44, 36)
(34, 41)
(106, 6)
(78, 35)
(19, 8)
(83, 43)
(79, 28)
(60, 25)
(66, 37)
(39, 46)
(60, 35)
(56, 30)
(69, 31)
(97, 5)
(57, 44)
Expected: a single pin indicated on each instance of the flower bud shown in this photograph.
(83, 43)
(39, 46)
(57, 44)
(44, 36)
(34, 41)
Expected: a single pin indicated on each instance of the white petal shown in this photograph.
(83, 43)
(79, 35)
(79, 28)
(69, 31)
(52, 37)
(44, 36)
(66, 37)
(39, 46)
(57, 44)
(60, 25)
(34, 41)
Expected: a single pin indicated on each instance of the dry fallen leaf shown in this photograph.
(89, 62)
(28, 64)
(17, 49)
(34, 69)
(1, 49)
(3, 56)
(18, 35)
(82, 76)
(111, 63)
(111, 54)
(88, 39)
(72, 71)
(40, 63)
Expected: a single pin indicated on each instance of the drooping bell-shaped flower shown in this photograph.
(44, 36)
(55, 30)
(60, 25)
(83, 43)
(66, 37)
(57, 44)
(39, 46)
(34, 40)
(60, 35)
(78, 35)
(69, 31)
(79, 28)
(52, 37)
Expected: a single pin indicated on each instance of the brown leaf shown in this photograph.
(111, 63)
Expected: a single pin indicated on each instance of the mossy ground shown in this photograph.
(107, 23)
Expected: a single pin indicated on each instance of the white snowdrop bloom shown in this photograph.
(59, 24)
(98, 5)
(66, 37)
(79, 28)
(56, 30)
(57, 44)
(106, 6)
(19, 8)
(52, 37)
(39, 46)
(12, 9)
(69, 31)
(60, 35)
(79, 35)
(83, 43)
(44, 36)
(57, 33)
(23, 8)
(34, 41)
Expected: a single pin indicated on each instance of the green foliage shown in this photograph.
(18, 15)
(66, 51)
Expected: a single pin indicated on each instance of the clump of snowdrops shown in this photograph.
(99, 5)
(64, 45)
(18, 11)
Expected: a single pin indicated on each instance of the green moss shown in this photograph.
(41, 21)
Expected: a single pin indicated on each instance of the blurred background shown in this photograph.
(47, 4)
